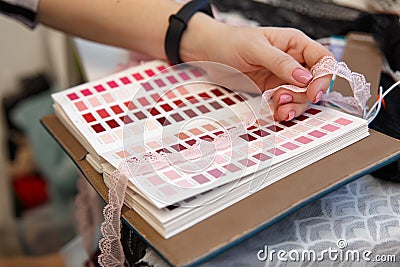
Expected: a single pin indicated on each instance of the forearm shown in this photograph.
(138, 25)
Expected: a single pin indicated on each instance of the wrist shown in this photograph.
(200, 31)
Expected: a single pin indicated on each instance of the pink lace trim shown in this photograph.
(329, 66)
(111, 249)
(112, 253)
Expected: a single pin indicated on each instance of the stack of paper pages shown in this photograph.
(193, 148)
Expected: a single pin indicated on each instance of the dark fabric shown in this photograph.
(134, 250)
(23, 14)
(388, 119)
(388, 122)
(317, 18)
(134, 247)
(387, 33)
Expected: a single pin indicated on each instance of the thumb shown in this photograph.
(285, 66)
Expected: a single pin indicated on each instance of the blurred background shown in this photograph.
(37, 180)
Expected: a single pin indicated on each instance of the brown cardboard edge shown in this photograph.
(59, 132)
(250, 214)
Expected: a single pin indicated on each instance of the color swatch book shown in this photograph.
(193, 147)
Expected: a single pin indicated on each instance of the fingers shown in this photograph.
(306, 51)
(282, 64)
(297, 44)
(288, 104)
(313, 52)
(284, 96)
(288, 112)
(317, 88)
(288, 50)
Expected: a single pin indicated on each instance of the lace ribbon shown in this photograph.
(111, 249)
(112, 253)
(329, 66)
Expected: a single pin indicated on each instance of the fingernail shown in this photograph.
(302, 76)
(318, 97)
(291, 115)
(285, 98)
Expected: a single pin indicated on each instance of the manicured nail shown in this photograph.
(284, 99)
(291, 115)
(318, 97)
(301, 75)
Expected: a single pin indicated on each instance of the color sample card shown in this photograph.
(141, 101)
(205, 136)
(264, 144)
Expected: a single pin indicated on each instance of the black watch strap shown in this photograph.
(177, 25)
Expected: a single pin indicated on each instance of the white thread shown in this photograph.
(379, 102)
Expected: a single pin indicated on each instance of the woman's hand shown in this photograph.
(269, 56)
